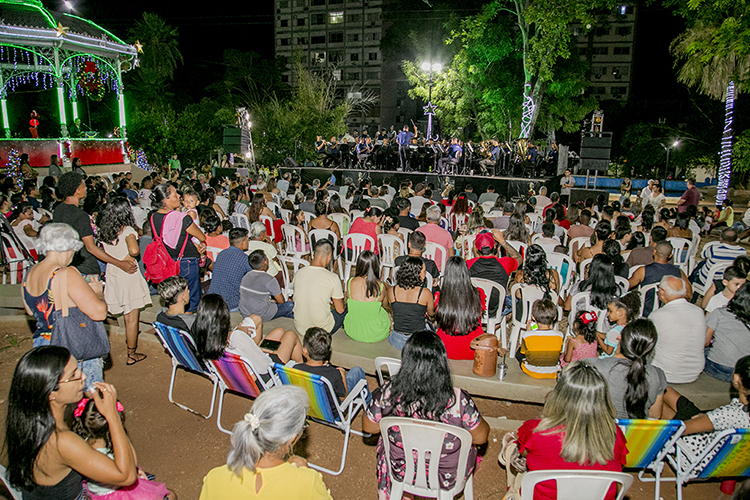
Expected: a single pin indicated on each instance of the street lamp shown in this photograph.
(668, 148)
(429, 110)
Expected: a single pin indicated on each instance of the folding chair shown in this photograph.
(577, 485)
(487, 286)
(649, 441)
(390, 248)
(359, 243)
(236, 374)
(729, 454)
(15, 260)
(393, 365)
(432, 250)
(321, 394)
(181, 348)
(420, 438)
(14, 493)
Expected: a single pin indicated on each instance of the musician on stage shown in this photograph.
(364, 150)
(454, 156)
(333, 153)
(489, 163)
(344, 152)
(404, 139)
(430, 154)
(320, 147)
(383, 155)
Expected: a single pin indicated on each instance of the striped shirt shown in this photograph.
(718, 254)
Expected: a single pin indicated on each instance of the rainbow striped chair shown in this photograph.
(236, 374)
(320, 392)
(649, 441)
(181, 347)
(731, 458)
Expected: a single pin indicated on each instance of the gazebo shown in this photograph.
(77, 58)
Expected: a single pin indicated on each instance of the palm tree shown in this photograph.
(160, 57)
(717, 64)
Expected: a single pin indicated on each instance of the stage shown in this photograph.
(510, 187)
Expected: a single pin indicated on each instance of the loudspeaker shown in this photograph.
(236, 140)
(595, 149)
(290, 163)
(577, 195)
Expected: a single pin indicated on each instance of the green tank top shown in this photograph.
(366, 321)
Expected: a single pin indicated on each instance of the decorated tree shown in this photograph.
(13, 167)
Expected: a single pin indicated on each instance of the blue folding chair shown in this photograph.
(181, 347)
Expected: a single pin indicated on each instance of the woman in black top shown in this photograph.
(167, 200)
(410, 301)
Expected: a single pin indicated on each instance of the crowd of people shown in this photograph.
(231, 242)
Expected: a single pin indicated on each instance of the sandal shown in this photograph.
(134, 357)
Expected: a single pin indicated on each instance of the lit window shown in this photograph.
(336, 17)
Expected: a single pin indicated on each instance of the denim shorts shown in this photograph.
(398, 340)
(94, 370)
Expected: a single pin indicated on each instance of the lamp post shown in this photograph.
(668, 148)
(429, 110)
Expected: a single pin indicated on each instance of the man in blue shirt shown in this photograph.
(230, 267)
(490, 162)
(454, 155)
(404, 139)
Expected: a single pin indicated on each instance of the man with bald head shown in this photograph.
(681, 329)
(654, 272)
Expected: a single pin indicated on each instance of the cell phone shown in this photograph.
(271, 345)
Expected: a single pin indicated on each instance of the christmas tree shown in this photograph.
(13, 167)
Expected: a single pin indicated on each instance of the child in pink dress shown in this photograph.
(584, 344)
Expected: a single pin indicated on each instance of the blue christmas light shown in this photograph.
(725, 158)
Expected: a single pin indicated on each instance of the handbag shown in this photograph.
(83, 337)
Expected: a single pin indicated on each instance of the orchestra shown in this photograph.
(410, 152)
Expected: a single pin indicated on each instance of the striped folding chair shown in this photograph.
(236, 374)
(181, 348)
(728, 456)
(649, 441)
(324, 405)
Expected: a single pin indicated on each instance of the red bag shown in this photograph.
(156, 258)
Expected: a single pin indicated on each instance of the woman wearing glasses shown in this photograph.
(46, 459)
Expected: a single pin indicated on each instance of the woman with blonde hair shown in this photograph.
(577, 431)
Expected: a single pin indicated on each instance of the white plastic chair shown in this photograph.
(323, 234)
(467, 246)
(239, 220)
(633, 269)
(579, 302)
(557, 262)
(268, 222)
(393, 365)
(519, 246)
(420, 437)
(682, 253)
(343, 221)
(406, 232)
(457, 220)
(577, 485)
(714, 272)
(291, 235)
(359, 243)
(285, 214)
(14, 493)
(655, 304)
(432, 251)
(623, 283)
(273, 206)
(583, 267)
(529, 295)
(487, 286)
(577, 243)
(390, 248)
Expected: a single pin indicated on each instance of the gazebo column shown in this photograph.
(121, 102)
(60, 84)
(4, 106)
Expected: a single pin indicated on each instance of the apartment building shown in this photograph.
(609, 47)
(338, 37)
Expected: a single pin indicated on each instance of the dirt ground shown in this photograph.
(180, 447)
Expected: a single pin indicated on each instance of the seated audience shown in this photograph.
(742, 263)
(258, 240)
(517, 230)
(260, 462)
(612, 249)
(620, 312)
(654, 272)
(321, 220)
(315, 288)
(503, 221)
(583, 344)
(366, 319)
(175, 296)
(423, 389)
(602, 232)
(458, 307)
(536, 272)
(643, 256)
(410, 301)
(582, 228)
(230, 267)
(540, 350)
(404, 219)
(592, 442)
(215, 239)
(635, 386)
(260, 293)
(369, 224)
(726, 251)
(728, 335)
(316, 353)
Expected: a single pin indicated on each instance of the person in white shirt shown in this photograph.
(542, 201)
(733, 279)
(418, 199)
(682, 333)
(144, 195)
(646, 193)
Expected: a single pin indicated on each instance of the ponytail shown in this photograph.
(636, 344)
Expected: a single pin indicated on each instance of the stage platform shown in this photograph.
(510, 187)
